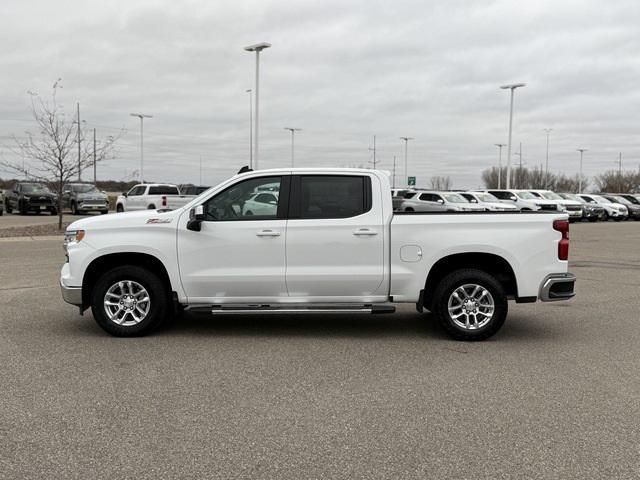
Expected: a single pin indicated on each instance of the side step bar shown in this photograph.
(286, 308)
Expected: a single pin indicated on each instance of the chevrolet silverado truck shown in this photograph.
(330, 243)
(152, 196)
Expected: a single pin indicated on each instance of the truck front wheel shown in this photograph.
(470, 304)
(129, 301)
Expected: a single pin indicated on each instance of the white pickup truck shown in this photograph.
(152, 196)
(328, 242)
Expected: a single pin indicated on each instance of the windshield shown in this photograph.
(84, 188)
(486, 197)
(551, 196)
(600, 199)
(454, 198)
(526, 195)
(34, 188)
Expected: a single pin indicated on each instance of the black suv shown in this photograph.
(25, 197)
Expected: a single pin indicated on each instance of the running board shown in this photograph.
(284, 308)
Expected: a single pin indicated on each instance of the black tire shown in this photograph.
(22, 208)
(104, 212)
(7, 205)
(593, 219)
(159, 301)
(1, 212)
(119, 208)
(408, 209)
(151, 207)
(249, 213)
(74, 208)
(446, 288)
(53, 211)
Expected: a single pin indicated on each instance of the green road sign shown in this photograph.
(411, 181)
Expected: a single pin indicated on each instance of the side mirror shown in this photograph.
(440, 200)
(124, 194)
(473, 200)
(67, 192)
(513, 199)
(196, 216)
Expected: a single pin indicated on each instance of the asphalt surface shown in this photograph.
(556, 394)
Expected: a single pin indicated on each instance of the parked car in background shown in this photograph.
(632, 197)
(25, 197)
(632, 208)
(615, 211)
(524, 200)
(438, 202)
(261, 204)
(152, 196)
(83, 198)
(572, 207)
(488, 201)
(397, 197)
(193, 190)
(590, 211)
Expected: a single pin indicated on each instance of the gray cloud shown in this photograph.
(342, 71)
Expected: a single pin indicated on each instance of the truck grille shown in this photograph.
(40, 201)
(573, 208)
(548, 207)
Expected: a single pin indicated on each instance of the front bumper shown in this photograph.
(72, 295)
(557, 286)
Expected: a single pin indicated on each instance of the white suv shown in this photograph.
(488, 201)
(524, 200)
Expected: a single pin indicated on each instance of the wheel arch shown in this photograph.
(109, 261)
(487, 262)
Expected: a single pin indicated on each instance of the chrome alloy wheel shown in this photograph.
(127, 303)
(471, 306)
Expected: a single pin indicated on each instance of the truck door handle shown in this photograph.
(268, 233)
(365, 231)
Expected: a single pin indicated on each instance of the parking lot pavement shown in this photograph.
(10, 220)
(556, 394)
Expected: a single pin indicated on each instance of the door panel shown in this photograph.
(334, 257)
(236, 257)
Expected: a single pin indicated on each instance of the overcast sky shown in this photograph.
(342, 71)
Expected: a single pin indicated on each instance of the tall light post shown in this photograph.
(511, 87)
(79, 140)
(250, 92)
(500, 145)
(258, 47)
(546, 164)
(406, 164)
(141, 116)
(581, 150)
(293, 131)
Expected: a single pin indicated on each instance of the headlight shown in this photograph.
(72, 236)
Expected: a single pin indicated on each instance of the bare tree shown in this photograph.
(50, 151)
(441, 183)
(619, 182)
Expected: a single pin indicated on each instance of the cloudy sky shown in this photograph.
(343, 71)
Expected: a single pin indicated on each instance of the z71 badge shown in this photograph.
(159, 220)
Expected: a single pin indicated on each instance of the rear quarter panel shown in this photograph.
(527, 242)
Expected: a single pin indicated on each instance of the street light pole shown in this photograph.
(250, 92)
(511, 87)
(500, 145)
(79, 140)
(406, 164)
(293, 131)
(141, 116)
(546, 165)
(581, 150)
(95, 176)
(393, 185)
(258, 47)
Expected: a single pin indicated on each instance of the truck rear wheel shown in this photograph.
(470, 304)
(129, 301)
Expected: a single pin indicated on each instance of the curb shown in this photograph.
(29, 239)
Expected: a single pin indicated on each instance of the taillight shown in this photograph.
(562, 226)
(164, 201)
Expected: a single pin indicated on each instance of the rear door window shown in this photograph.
(330, 196)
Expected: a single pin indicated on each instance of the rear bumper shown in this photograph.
(557, 286)
(72, 295)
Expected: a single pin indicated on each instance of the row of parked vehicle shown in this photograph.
(82, 198)
(591, 207)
